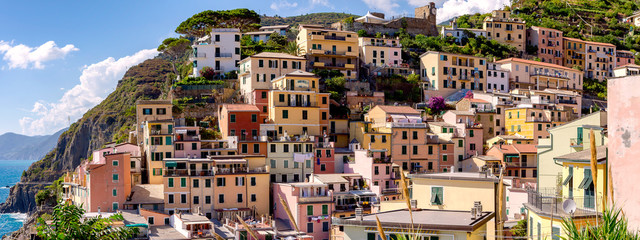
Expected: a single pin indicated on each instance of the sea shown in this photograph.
(11, 171)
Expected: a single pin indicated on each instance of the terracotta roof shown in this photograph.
(277, 55)
(297, 73)
(506, 149)
(476, 100)
(520, 60)
(153, 102)
(573, 39)
(398, 109)
(241, 108)
(601, 43)
(546, 28)
(274, 26)
(628, 65)
(526, 148)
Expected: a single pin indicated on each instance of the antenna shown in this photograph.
(569, 206)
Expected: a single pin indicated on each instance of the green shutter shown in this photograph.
(569, 177)
(168, 140)
(436, 195)
(444, 158)
(170, 181)
(115, 177)
(310, 210)
(325, 209)
(460, 143)
(183, 182)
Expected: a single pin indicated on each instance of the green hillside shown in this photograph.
(325, 19)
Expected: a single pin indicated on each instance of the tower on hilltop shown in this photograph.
(427, 12)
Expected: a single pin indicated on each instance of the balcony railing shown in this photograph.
(563, 101)
(405, 125)
(200, 173)
(339, 38)
(576, 142)
(223, 55)
(176, 172)
(315, 198)
(585, 206)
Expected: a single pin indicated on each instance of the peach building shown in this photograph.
(520, 160)
(325, 160)
(549, 43)
(382, 56)
(104, 182)
(378, 172)
(187, 142)
(600, 60)
(500, 26)
(624, 58)
(466, 127)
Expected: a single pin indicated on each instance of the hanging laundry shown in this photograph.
(298, 157)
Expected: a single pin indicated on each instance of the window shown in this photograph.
(415, 150)
(472, 146)
(415, 135)
(281, 97)
(436, 196)
(220, 198)
(286, 148)
(384, 138)
(471, 132)
(207, 199)
(310, 227)
(133, 164)
(114, 162)
(196, 183)
(285, 114)
(404, 150)
(183, 198)
(196, 199)
(273, 163)
(309, 210)
(444, 158)
(221, 182)
(170, 182)
(404, 135)
(207, 183)
(114, 192)
(114, 177)
(325, 226)
(240, 197)
(170, 199)
(430, 150)
(261, 63)
(304, 114)
(183, 182)
(325, 209)
(147, 111)
(239, 181)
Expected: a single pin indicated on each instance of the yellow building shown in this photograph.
(296, 107)
(188, 185)
(257, 71)
(455, 191)
(445, 73)
(545, 208)
(240, 188)
(532, 123)
(339, 132)
(539, 75)
(150, 110)
(574, 52)
(509, 140)
(157, 145)
(329, 49)
(500, 26)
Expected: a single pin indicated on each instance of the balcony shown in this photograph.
(195, 173)
(548, 74)
(576, 142)
(317, 51)
(337, 38)
(176, 172)
(405, 125)
(564, 101)
(160, 132)
(536, 119)
(223, 55)
(350, 66)
(318, 64)
(386, 159)
(552, 204)
(315, 198)
(390, 191)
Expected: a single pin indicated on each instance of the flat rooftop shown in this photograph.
(164, 232)
(464, 176)
(423, 219)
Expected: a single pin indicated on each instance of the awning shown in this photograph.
(138, 225)
(179, 131)
(170, 164)
(586, 182)
(568, 179)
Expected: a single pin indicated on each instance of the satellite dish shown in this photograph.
(569, 206)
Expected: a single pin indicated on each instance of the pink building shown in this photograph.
(310, 204)
(466, 127)
(325, 157)
(379, 172)
(187, 142)
(624, 145)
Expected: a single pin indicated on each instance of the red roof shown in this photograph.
(475, 100)
(520, 60)
(526, 148)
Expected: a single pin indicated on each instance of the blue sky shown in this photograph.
(58, 60)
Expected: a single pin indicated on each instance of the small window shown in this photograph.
(437, 196)
(114, 162)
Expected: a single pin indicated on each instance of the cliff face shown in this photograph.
(111, 120)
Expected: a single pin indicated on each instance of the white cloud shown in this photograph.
(454, 8)
(386, 6)
(321, 2)
(283, 4)
(23, 56)
(96, 82)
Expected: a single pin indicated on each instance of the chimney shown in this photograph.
(359, 214)
(414, 204)
(473, 213)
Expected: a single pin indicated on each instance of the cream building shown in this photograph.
(257, 71)
(500, 26)
(328, 49)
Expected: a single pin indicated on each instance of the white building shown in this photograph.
(497, 78)
(626, 70)
(219, 50)
(458, 33)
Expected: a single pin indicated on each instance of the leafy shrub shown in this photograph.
(207, 73)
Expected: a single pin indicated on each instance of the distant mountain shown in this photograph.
(325, 19)
(14, 146)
